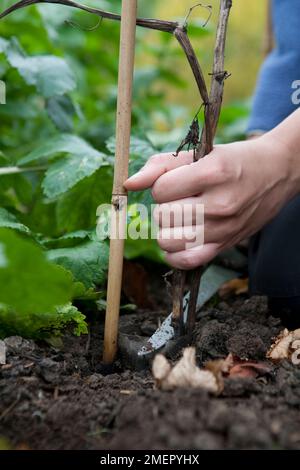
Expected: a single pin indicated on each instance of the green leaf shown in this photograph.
(62, 111)
(67, 172)
(70, 314)
(50, 75)
(147, 249)
(8, 220)
(88, 262)
(28, 281)
(60, 144)
(77, 208)
(42, 325)
(3, 45)
(140, 147)
(67, 240)
(81, 161)
(41, 218)
(80, 292)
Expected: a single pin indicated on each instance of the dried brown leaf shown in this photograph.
(184, 374)
(284, 345)
(220, 368)
(249, 369)
(233, 366)
(234, 287)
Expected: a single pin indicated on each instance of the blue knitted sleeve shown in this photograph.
(273, 96)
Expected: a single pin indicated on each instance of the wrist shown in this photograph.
(283, 160)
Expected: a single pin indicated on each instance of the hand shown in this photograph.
(241, 185)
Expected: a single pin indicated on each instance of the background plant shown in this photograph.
(57, 128)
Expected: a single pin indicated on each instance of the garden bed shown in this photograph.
(59, 399)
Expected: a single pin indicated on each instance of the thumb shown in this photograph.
(156, 167)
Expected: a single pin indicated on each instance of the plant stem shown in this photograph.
(178, 284)
(159, 25)
(12, 170)
(213, 110)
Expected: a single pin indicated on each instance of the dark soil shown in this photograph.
(51, 399)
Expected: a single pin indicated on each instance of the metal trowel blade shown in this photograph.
(212, 279)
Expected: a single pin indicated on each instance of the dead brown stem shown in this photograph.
(178, 283)
(172, 27)
(186, 45)
(160, 25)
(212, 115)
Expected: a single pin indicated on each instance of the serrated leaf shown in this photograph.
(81, 161)
(67, 240)
(9, 220)
(51, 75)
(42, 325)
(61, 143)
(70, 314)
(88, 262)
(67, 172)
(29, 283)
(77, 208)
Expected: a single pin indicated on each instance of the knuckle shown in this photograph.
(226, 208)
(157, 191)
(154, 158)
(223, 168)
(158, 158)
(221, 164)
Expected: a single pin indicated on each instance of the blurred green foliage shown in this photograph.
(58, 129)
(245, 44)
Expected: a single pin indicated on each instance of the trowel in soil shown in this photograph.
(138, 353)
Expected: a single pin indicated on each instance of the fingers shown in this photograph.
(184, 212)
(190, 259)
(188, 214)
(187, 181)
(184, 189)
(156, 167)
(181, 238)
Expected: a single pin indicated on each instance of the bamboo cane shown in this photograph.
(119, 197)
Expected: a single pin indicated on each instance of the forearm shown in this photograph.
(286, 137)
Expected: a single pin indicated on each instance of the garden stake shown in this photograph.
(119, 197)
